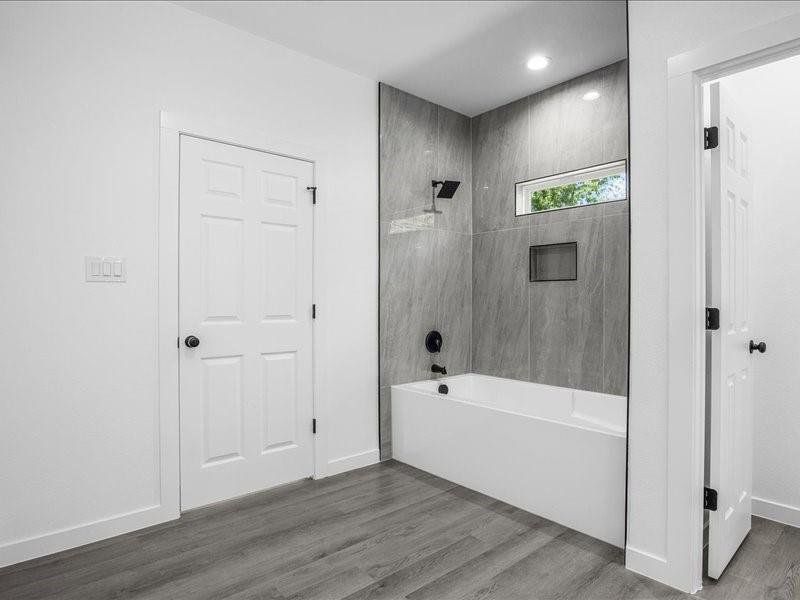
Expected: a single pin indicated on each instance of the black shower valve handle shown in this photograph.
(433, 342)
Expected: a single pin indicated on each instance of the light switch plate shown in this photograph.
(106, 269)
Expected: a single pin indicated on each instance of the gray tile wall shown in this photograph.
(426, 260)
(568, 333)
(465, 272)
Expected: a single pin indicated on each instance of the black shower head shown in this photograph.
(448, 188)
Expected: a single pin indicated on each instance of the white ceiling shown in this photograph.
(467, 56)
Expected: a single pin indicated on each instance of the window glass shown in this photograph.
(593, 185)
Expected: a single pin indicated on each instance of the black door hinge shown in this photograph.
(709, 499)
(710, 137)
(313, 190)
(712, 319)
(313, 426)
(313, 311)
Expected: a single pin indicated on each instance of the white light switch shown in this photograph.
(105, 268)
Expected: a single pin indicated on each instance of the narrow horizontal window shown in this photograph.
(593, 185)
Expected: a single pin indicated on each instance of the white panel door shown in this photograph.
(246, 399)
(731, 427)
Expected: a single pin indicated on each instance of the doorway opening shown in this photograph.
(752, 276)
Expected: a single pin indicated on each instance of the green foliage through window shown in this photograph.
(582, 187)
(592, 191)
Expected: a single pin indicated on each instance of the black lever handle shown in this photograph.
(192, 341)
(760, 346)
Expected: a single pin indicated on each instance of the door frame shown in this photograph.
(686, 74)
(245, 135)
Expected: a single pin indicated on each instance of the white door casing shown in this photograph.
(679, 563)
(246, 397)
(731, 430)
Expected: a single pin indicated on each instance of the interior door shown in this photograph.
(246, 396)
(731, 415)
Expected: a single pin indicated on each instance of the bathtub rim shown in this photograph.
(584, 426)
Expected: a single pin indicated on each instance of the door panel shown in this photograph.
(731, 427)
(246, 226)
(222, 409)
(279, 286)
(279, 376)
(222, 269)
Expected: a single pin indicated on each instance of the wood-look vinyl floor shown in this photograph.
(386, 531)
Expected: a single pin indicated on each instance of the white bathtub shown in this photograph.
(556, 452)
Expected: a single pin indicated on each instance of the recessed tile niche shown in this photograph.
(554, 262)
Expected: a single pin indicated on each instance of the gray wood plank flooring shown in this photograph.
(386, 531)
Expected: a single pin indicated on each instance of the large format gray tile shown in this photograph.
(566, 316)
(500, 304)
(385, 422)
(585, 328)
(576, 332)
(565, 132)
(576, 213)
(455, 163)
(615, 304)
(614, 115)
(454, 299)
(620, 207)
(425, 275)
(549, 302)
(569, 133)
(408, 301)
(500, 141)
(571, 324)
(408, 131)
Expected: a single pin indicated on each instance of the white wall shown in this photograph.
(82, 88)
(659, 30)
(776, 282)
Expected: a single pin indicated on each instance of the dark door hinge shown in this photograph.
(313, 311)
(712, 319)
(710, 137)
(313, 426)
(709, 499)
(313, 190)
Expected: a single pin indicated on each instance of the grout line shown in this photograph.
(436, 259)
(603, 309)
(528, 288)
(471, 254)
(501, 230)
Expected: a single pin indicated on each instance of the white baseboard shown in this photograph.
(354, 461)
(775, 511)
(646, 563)
(86, 533)
(22, 550)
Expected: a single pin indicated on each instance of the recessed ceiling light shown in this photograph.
(538, 62)
(592, 95)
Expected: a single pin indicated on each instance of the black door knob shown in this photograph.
(192, 341)
(760, 346)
